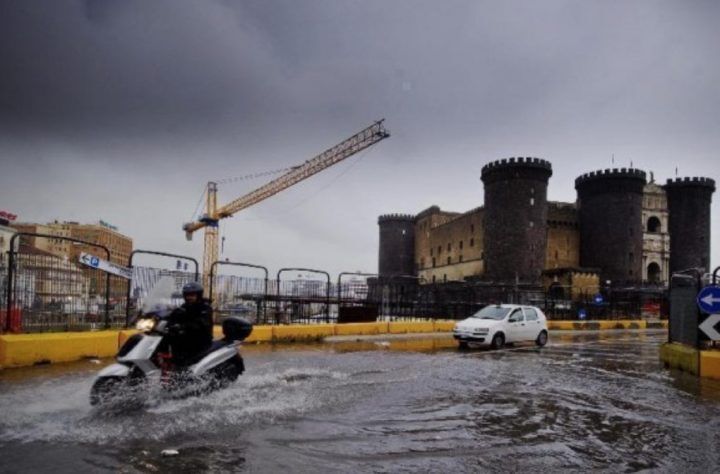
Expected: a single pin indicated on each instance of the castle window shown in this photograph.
(431, 251)
(433, 262)
(460, 258)
(654, 225)
(461, 245)
(472, 228)
(631, 257)
(403, 232)
(472, 242)
(532, 201)
(444, 276)
(439, 249)
(449, 260)
(433, 279)
(449, 246)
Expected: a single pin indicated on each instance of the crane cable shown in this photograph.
(235, 179)
(307, 198)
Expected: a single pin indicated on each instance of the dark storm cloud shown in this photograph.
(122, 109)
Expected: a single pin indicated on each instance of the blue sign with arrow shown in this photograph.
(582, 314)
(598, 299)
(708, 300)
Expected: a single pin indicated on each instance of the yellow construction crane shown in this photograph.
(345, 149)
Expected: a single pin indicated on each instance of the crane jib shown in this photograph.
(343, 150)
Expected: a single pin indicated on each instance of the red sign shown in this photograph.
(7, 216)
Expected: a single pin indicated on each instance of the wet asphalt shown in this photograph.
(588, 401)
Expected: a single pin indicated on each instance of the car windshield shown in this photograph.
(492, 312)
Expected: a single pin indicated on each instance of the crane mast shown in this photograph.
(345, 149)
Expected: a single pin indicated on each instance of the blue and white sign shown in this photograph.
(104, 265)
(708, 300)
(598, 299)
(582, 314)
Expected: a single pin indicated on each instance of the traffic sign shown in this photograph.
(105, 266)
(598, 299)
(708, 327)
(708, 300)
(582, 314)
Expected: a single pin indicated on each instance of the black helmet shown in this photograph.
(193, 287)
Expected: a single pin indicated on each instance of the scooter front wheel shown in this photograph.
(106, 389)
(125, 391)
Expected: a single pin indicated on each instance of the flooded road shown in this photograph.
(586, 401)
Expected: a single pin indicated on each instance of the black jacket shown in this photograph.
(190, 331)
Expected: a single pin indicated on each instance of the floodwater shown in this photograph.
(599, 401)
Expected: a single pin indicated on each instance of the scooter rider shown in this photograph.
(190, 328)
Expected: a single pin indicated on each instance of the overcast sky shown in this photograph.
(122, 110)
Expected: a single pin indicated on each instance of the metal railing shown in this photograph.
(354, 297)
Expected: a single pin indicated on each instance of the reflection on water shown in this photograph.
(589, 401)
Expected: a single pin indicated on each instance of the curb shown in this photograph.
(704, 363)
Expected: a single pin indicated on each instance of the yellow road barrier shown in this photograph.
(17, 350)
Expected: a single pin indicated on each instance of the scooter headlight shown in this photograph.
(145, 324)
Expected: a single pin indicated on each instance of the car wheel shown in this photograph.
(542, 338)
(497, 341)
(463, 345)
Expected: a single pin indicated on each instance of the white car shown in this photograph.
(497, 325)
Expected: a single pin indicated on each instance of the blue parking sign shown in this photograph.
(95, 262)
(582, 314)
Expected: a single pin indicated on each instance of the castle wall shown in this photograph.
(689, 222)
(563, 241)
(397, 245)
(611, 232)
(515, 223)
(451, 250)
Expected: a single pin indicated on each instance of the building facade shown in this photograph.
(618, 231)
(120, 246)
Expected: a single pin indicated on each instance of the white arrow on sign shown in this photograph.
(708, 327)
(710, 299)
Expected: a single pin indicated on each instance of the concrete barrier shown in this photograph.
(17, 350)
(401, 327)
(361, 329)
(302, 332)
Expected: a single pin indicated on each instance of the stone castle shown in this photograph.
(622, 229)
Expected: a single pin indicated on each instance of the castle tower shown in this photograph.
(515, 221)
(610, 204)
(397, 245)
(689, 222)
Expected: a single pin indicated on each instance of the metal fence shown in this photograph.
(46, 292)
(51, 293)
(237, 294)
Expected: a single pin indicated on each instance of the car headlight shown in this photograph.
(145, 324)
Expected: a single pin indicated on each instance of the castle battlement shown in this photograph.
(611, 173)
(396, 217)
(691, 181)
(519, 162)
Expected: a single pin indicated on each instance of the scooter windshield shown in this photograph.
(162, 297)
